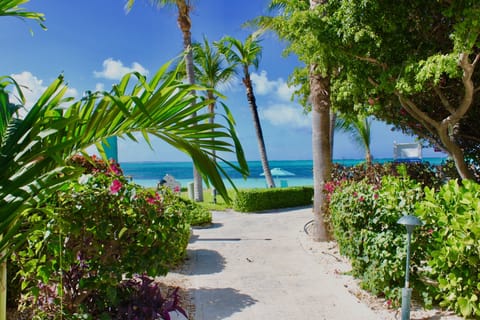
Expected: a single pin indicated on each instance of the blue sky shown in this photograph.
(94, 42)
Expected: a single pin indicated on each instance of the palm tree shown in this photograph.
(359, 128)
(184, 23)
(248, 54)
(211, 72)
(34, 150)
(291, 17)
(12, 8)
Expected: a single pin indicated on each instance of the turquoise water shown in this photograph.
(148, 174)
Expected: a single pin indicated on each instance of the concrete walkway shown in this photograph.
(263, 266)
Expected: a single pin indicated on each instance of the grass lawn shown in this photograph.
(208, 203)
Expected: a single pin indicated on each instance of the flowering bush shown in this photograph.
(445, 255)
(422, 172)
(364, 218)
(94, 233)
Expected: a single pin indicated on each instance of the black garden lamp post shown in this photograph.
(410, 222)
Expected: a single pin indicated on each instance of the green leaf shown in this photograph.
(120, 234)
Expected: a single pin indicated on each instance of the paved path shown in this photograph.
(263, 266)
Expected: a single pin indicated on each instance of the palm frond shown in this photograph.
(34, 150)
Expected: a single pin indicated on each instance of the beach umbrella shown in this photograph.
(279, 172)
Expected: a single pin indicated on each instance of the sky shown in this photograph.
(93, 43)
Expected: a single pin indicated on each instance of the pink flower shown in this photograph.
(361, 198)
(150, 200)
(355, 194)
(114, 169)
(115, 186)
(375, 196)
(329, 187)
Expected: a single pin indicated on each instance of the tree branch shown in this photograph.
(467, 99)
(372, 82)
(415, 112)
(469, 137)
(444, 100)
(373, 61)
(477, 58)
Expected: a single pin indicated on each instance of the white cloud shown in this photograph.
(32, 89)
(286, 115)
(99, 87)
(115, 70)
(263, 86)
(284, 91)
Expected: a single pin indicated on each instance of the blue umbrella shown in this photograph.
(279, 172)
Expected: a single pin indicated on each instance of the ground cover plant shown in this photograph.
(91, 237)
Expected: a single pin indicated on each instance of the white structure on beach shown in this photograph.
(407, 152)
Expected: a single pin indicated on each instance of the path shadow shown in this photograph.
(279, 210)
(213, 225)
(203, 261)
(219, 303)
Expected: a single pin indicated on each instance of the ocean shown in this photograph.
(148, 174)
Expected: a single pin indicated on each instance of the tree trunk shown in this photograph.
(211, 120)
(321, 148)
(368, 155)
(455, 152)
(185, 25)
(258, 129)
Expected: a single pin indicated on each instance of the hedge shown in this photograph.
(266, 199)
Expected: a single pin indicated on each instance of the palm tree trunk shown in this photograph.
(211, 120)
(185, 25)
(368, 156)
(321, 143)
(258, 129)
(321, 148)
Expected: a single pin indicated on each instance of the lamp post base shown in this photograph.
(406, 297)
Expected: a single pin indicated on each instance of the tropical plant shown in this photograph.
(93, 233)
(243, 55)
(12, 8)
(358, 128)
(34, 150)
(144, 299)
(211, 71)
(185, 24)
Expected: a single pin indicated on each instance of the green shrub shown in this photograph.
(452, 217)
(421, 172)
(364, 218)
(94, 233)
(198, 215)
(265, 199)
